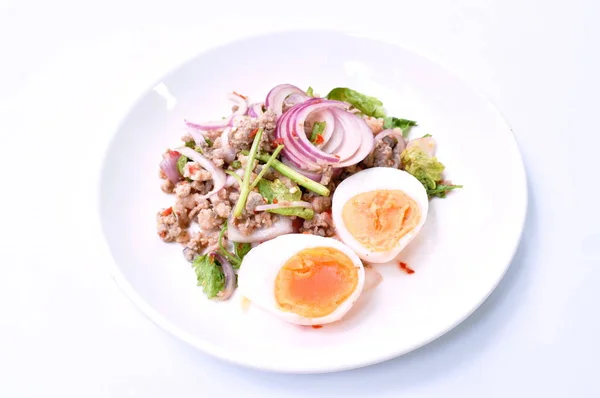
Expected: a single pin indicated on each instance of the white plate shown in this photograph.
(460, 256)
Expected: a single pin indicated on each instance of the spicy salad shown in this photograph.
(251, 187)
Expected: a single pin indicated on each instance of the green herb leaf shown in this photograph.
(271, 190)
(236, 164)
(181, 162)
(209, 275)
(426, 135)
(427, 169)
(208, 142)
(391, 122)
(317, 131)
(310, 92)
(441, 190)
(241, 249)
(368, 105)
(190, 144)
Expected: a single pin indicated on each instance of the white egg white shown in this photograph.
(259, 269)
(378, 178)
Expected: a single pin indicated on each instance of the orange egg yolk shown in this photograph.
(379, 219)
(315, 281)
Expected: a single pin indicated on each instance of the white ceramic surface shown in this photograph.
(461, 254)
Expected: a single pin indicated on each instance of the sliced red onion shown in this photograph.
(372, 279)
(218, 175)
(227, 150)
(209, 126)
(313, 175)
(213, 125)
(231, 180)
(230, 277)
(283, 205)
(282, 226)
(350, 141)
(239, 102)
(169, 166)
(255, 110)
(396, 133)
(278, 94)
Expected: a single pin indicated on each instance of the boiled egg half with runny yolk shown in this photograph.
(377, 212)
(302, 279)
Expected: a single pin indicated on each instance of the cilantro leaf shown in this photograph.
(317, 131)
(277, 190)
(391, 122)
(241, 249)
(368, 105)
(310, 92)
(209, 275)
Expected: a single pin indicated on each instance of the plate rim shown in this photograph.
(208, 348)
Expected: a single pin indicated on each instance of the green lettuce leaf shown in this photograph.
(209, 275)
(271, 190)
(427, 169)
(391, 122)
(370, 106)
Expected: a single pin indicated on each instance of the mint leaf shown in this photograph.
(391, 122)
(277, 190)
(209, 275)
(317, 131)
(370, 106)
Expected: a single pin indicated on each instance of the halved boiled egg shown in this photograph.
(378, 211)
(302, 279)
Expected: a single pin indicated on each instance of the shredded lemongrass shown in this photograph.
(245, 186)
(266, 167)
(294, 175)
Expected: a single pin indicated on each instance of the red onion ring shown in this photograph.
(225, 147)
(229, 275)
(255, 110)
(278, 94)
(283, 205)
(169, 166)
(214, 125)
(218, 175)
(350, 142)
(240, 102)
(313, 175)
(396, 133)
(283, 225)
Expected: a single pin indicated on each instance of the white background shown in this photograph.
(70, 70)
